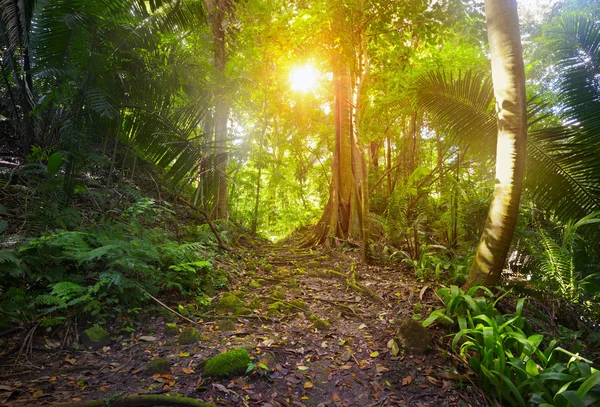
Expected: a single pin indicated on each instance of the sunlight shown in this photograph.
(303, 78)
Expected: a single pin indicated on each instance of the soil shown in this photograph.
(352, 363)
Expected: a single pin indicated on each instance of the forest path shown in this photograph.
(323, 336)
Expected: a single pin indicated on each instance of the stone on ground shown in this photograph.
(229, 303)
(95, 338)
(160, 365)
(233, 362)
(188, 336)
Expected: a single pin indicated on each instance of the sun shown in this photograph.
(303, 78)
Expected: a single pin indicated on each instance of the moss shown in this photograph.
(273, 313)
(267, 267)
(254, 284)
(278, 293)
(243, 311)
(283, 273)
(171, 329)
(256, 303)
(251, 265)
(320, 324)
(276, 305)
(415, 337)
(227, 325)
(228, 303)
(299, 304)
(95, 338)
(204, 338)
(160, 365)
(226, 364)
(241, 294)
(188, 336)
(313, 263)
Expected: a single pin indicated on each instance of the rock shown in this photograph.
(95, 338)
(254, 284)
(228, 303)
(160, 365)
(241, 294)
(242, 311)
(227, 325)
(188, 336)
(233, 362)
(171, 329)
(415, 336)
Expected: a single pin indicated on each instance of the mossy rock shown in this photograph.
(267, 267)
(276, 306)
(188, 336)
(299, 305)
(233, 362)
(160, 365)
(204, 338)
(95, 338)
(241, 294)
(243, 311)
(415, 336)
(256, 303)
(254, 284)
(228, 303)
(226, 325)
(283, 273)
(278, 293)
(251, 265)
(320, 324)
(171, 329)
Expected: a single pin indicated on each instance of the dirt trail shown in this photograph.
(309, 364)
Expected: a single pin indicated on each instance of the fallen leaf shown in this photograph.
(187, 370)
(374, 354)
(70, 361)
(37, 394)
(308, 385)
(148, 338)
(336, 398)
(302, 368)
(362, 326)
(184, 354)
(407, 380)
(395, 348)
(346, 356)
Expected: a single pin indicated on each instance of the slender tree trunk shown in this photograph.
(509, 89)
(218, 10)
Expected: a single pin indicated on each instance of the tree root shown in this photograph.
(352, 283)
(140, 401)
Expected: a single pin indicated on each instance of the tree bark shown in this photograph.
(509, 89)
(217, 10)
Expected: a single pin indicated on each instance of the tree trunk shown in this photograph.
(509, 89)
(217, 10)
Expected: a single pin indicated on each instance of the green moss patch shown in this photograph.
(233, 362)
(171, 329)
(320, 324)
(254, 284)
(95, 338)
(227, 325)
(243, 311)
(229, 303)
(188, 336)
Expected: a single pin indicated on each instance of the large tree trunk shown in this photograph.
(509, 89)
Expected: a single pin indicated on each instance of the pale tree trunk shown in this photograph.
(509, 89)
(217, 11)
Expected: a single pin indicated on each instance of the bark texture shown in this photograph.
(509, 89)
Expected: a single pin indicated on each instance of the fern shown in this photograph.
(66, 290)
(49, 300)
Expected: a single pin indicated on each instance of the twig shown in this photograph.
(209, 222)
(166, 306)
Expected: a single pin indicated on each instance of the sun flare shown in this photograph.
(303, 78)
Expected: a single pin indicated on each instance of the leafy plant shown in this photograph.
(513, 363)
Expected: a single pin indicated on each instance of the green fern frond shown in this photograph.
(66, 290)
(49, 300)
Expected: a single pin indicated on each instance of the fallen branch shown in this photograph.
(140, 401)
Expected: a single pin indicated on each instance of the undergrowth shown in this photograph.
(97, 271)
(515, 365)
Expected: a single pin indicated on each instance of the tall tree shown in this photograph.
(218, 11)
(346, 213)
(508, 76)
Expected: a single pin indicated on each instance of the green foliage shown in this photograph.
(97, 270)
(514, 364)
